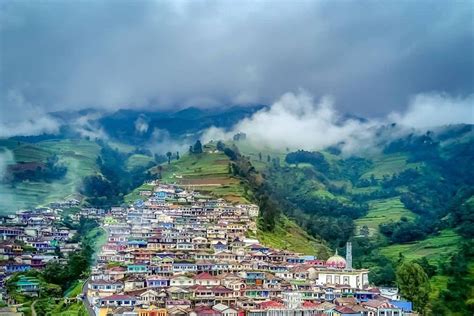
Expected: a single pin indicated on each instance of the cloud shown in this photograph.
(161, 142)
(141, 125)
(434, 109)
(7, 197)
(297, 121)
(371, 56)
(88, 126)
(23, 118)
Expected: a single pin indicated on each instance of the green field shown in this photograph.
(208, 173)
(289, 236)
(434, 248)
(78, 155)
(388, 164)
(383, 211)
(137, 160)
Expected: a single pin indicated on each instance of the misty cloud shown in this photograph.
(141, 125)
(297, 121)
(20, 117)
(7, 198)
(432, 110)
(87, 126)
(161, 142)
(371, 56)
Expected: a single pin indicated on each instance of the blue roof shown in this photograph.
(404, 305)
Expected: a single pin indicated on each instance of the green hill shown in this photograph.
(209, 173)
(77, 155)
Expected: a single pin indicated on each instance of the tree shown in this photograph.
(429, 269)
(168, 154)
(177, 155)
(160, 170)
(197, 149)
(220, 146)
(364, 231)
(414, 285)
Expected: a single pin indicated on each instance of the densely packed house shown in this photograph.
(29, 239)
(182, 253)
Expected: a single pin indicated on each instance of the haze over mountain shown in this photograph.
(372, 58)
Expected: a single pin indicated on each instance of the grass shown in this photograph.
(288, 235)
(75, 289)
(388, 164)
(100, 238)
(137, 160)
(78, 155)
(248, 149)
(208, 173)
(59, 308)
(434, 248)
(383, 211)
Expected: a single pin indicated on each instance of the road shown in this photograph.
(85, 301)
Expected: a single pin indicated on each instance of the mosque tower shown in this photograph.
(349, 255)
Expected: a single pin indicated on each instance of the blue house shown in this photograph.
(184, 267)
(406, 306)
(255, 278)
(364, 296)
(17, 267)
(137, 243)
(161, 195)
(158, 282)
(257, 247)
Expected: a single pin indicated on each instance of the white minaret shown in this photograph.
(349, 255)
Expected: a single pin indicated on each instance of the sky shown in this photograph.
(371, 58)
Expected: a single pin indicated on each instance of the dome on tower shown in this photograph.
(336, 261)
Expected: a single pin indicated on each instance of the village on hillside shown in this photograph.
(178, 252)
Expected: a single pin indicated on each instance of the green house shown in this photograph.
(28, 285)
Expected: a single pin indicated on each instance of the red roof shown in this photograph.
(309, 304)
(204, 276)
(271, 304)
(345, 310)
(204, 310)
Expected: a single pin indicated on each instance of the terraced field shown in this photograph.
(383, 211)
(78, 155)
(389, 164)
(434, 248)
(207, 172)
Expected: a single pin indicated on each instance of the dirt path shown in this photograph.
(33, 311)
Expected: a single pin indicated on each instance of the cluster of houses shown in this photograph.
(182, 253)
(29, 239)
